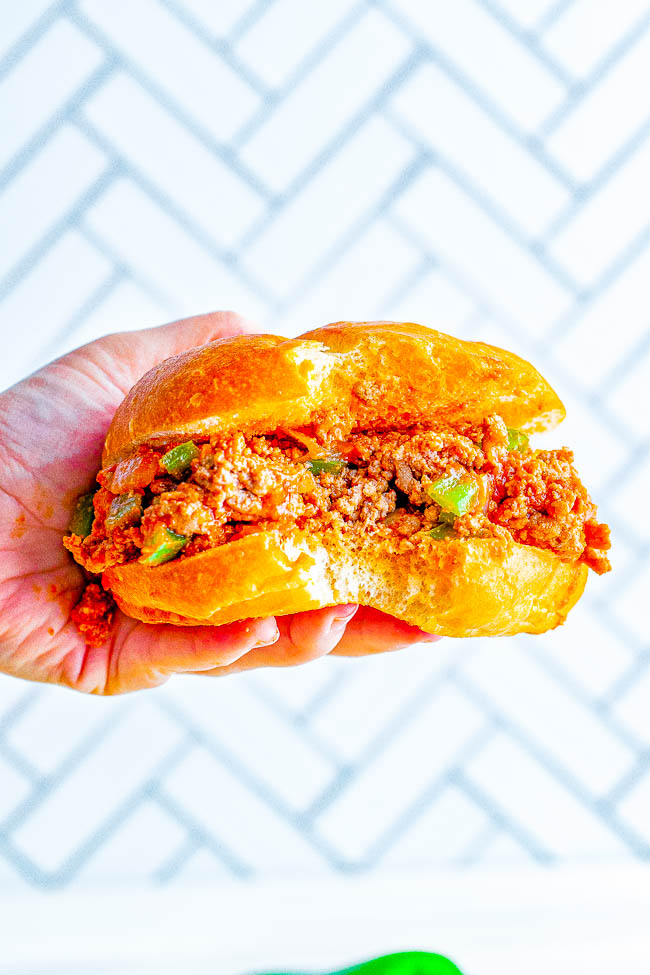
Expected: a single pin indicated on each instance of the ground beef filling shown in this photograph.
(376, 483)
(93, 614)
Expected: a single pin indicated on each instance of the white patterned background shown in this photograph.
(482, 166)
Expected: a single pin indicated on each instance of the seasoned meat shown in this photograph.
(93, 614)
(183, 509)
(389, 483)
(246, 481)
(541, 501)
(405, 480)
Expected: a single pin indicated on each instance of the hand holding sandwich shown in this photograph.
(52, 429)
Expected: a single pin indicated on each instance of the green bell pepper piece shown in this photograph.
(442, 531)
(453, 494)
(321, 466)
(446, 518)
(179, 458)
(125, 509)
(162, 545)
(517, 440)
(83, 515)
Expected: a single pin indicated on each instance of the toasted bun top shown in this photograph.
(365, 374)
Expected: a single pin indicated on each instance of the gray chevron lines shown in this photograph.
(479, 166)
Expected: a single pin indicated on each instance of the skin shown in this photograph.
(52, 429)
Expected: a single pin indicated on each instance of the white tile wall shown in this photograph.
(315, 114)
(97, 786)
(556, 820)
(149, 839)
(302, 28)
(44, 296)
(18, 19)
(479, 165)
(444, 115)
(218, 19)
(429, 744)
(632, 708)
(550, 716)
(489, 56)
(45, 190)
(608, 223)
(166, 258)
(27, 100)
(176, 161)
(589, 30)
(46, 734)
(528, 13)
(596, 661)
(251, 829)
(253, 734)
(457, 227)
(339, 196)
(386, 693)
(634, 809)
(15, 787)
(175, 61)
(581, 143)
(629, 396)
(606, 330)
(441, 833)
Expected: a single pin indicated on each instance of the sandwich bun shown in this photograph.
(368, 375)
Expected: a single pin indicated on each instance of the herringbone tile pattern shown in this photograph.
(482, 166)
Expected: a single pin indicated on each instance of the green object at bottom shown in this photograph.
(404, 963)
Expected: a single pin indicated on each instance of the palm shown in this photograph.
(43, 466)
(53, 429)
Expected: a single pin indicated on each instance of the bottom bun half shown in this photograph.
(459, 587)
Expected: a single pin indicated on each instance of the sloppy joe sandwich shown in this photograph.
(381, 463)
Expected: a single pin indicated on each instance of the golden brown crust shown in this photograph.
(468, 587)
(367, 374)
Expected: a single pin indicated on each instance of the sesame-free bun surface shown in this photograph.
(468, 587)
(366, 375)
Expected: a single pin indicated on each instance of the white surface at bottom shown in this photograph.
(591, 920)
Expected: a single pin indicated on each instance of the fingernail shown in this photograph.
(345, 613)
(268, 643)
